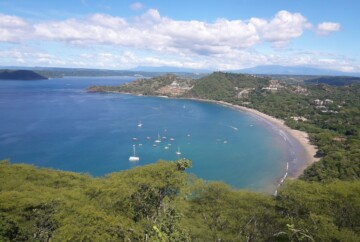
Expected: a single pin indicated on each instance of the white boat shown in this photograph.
(178, 151)
(166, 147)
(158, 139)
(172, 139)
(139, 124)
(134, 157)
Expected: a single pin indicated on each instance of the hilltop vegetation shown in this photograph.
(160, 202)
(225, 86)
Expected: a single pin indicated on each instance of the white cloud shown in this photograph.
(221, 44)
(137, 6)
(13, 29)
(28, 57)
(110, 59)
(151, 31)
(108, 21)
(284, 27)
(326, 28)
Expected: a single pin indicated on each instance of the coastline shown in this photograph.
(300, 136)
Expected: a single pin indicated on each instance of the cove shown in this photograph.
(56, 124)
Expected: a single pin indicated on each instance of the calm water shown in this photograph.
(55, 123)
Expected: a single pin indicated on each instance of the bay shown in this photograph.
(57, 124)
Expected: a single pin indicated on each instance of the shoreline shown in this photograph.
(300, 136)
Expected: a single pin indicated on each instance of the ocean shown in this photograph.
(56, 124)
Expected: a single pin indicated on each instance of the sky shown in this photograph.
(211, 35)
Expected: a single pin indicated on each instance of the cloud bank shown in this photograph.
(221, 44)
(154, 32)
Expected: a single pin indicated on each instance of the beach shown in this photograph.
(300, 136)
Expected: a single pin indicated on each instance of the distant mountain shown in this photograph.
(293, 70)
(20, 75)
(170, 69)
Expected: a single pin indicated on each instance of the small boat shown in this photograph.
(139, 124)
(164, 137)
(154, 145)
(172, 139)
(225, 141)
(158, 139)
(135, 139)
(166, 147)
(148, 137)
(188, 135)
(140, 144)
(178, 151)
(134, 157)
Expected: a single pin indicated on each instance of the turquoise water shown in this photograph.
(55, 123)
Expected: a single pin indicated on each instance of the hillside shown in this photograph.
(226, 86)
(20, 75)
(160, 202)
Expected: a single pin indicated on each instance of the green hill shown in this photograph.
(225, 86)
(160, 202)
(20, 75)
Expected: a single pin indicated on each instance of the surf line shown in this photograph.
(282, 179)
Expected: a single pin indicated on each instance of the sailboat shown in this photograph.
(134, 157)
(158, 139)
(139, 124)
(178, 151)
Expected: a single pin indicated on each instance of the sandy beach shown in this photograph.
(300, 136)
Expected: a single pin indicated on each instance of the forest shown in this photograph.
(162, 202)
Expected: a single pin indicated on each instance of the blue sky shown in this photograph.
(216, 35)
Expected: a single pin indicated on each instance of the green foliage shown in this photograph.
(160, 202)
(224, 86)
